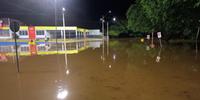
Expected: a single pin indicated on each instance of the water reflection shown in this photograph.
(129, 72)
(7, 51)
(158, 58)
(62, 94)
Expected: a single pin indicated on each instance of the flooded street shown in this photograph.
(124, 70)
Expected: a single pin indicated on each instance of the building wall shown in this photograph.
(51, 32)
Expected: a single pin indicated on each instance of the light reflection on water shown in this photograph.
(124, 70)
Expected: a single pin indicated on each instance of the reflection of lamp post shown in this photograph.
(152, 44)
(158, 58)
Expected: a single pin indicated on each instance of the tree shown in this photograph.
(118, 28)
(137, 19)
(174, 18)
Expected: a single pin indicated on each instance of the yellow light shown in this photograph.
(142, 40)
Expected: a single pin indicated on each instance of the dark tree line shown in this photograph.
(174, 18)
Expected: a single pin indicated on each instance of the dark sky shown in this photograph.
(84, 13)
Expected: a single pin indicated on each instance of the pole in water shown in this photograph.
(16, 50)
(159, 37)
(197, 36)
(14, 26)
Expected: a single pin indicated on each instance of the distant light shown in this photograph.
(142, 40)
(114, 19)
(109, 11)
(62, 94)
(63, 9)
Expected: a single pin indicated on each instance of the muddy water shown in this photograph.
(124, 70)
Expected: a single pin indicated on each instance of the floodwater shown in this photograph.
(122, 70)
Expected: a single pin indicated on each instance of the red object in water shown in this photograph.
(32, 33)
(33, 49)
(1, 25)
(3, 58)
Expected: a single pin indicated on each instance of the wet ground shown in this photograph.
(124, 70)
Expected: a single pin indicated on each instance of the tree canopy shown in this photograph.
(172, 17)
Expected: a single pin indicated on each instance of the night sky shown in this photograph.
(84, 13)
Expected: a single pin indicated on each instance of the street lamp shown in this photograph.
(63, 12)
(102, 21)
(114, 19)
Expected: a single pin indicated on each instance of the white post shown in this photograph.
(102, 19)
(10, 32)
(64, 24)
(76, 33)
(107, 31)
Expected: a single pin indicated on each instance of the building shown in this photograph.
(43, 32)
(51, 32)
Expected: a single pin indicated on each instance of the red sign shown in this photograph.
(33, 50)
(1, 24)
(3, 58)
(32, 33)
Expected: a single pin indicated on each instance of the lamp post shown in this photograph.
(114, 20)
(102, 26)
(103, 20)
(107, 18)
(63, 12)
(109, 12)
(107, 30)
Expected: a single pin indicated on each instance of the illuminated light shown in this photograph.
(114, 57)
(110, 66)
(63, 9)
(142, 40)
(158, 59)
(114, 19)
(62, 94)
(67, 72)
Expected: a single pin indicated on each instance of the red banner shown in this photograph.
(1, 25)
(32, 33)
(3, 58)
(33, 49)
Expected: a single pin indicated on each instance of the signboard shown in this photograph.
(148, 37)
(33, 49)
(159, 35)
(1, 24)
(14, 27)
(32, 33)
(3, 58)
